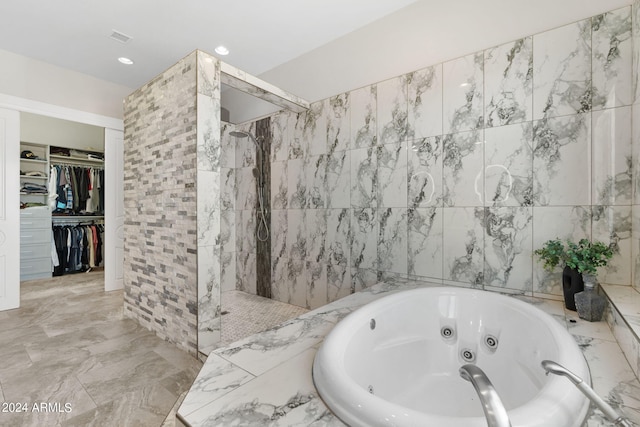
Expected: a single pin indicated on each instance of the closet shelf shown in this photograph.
(34, 177)
(33, 161)
(55, 159)
(24, 193)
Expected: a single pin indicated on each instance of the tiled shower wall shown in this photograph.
(636, 145)
(239, 215)
(456, 173)
(210, 158)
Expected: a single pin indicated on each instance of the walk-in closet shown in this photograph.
(62, 197)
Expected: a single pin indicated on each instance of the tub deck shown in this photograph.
(265, 379)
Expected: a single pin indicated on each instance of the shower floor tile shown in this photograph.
(245, 314)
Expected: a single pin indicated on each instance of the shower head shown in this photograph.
(243, 134)
(239, 134)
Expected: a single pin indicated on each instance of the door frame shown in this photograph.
(55, 111)
(9, 215)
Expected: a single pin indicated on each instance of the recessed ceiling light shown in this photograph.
(125, 61)
(221, 50)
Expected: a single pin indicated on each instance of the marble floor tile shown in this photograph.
(294, 402)
(24, 326)
(60, 388)
(73, 361)
(144, 407)
(14, 359)
(178, 358)
(220, 378)
(134, 343)
(259, 353)
(177, 383)
(577, 326)
(132, 374)
(170, 420)
(62, 343)
(123, 327)
(611, 376)
(65, 324)
(69, 343)
(13, 334)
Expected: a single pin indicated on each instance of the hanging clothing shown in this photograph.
(53, 187)
(78, 190)
(55, 261)
(68, 187)
(77, 248)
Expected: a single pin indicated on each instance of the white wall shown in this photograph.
(421, 35)
(35, 80)
(63, 133)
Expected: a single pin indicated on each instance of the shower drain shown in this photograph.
(468, 355)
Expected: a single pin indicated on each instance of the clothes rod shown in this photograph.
(80, 165)
(77, 218)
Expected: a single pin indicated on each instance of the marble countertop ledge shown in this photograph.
(266, 379)
(626, 300)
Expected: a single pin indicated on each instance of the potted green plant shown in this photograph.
(579, 260)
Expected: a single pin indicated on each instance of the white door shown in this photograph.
(9, 209)
(114, 210)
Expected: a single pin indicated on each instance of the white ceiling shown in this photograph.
(260, 34)
(311, 48)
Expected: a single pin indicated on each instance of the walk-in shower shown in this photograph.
(262, 232)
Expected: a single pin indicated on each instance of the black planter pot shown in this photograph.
(571, 284)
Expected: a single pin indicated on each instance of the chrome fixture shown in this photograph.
(494, 410)
(263, 228)
(243, 134)
(557, 369)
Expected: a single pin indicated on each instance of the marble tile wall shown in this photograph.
(160, 197)
(635, 150)
(457, 172)
(210, 159)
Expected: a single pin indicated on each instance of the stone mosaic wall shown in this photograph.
(160, 242)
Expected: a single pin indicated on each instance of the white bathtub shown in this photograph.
(388, 363)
